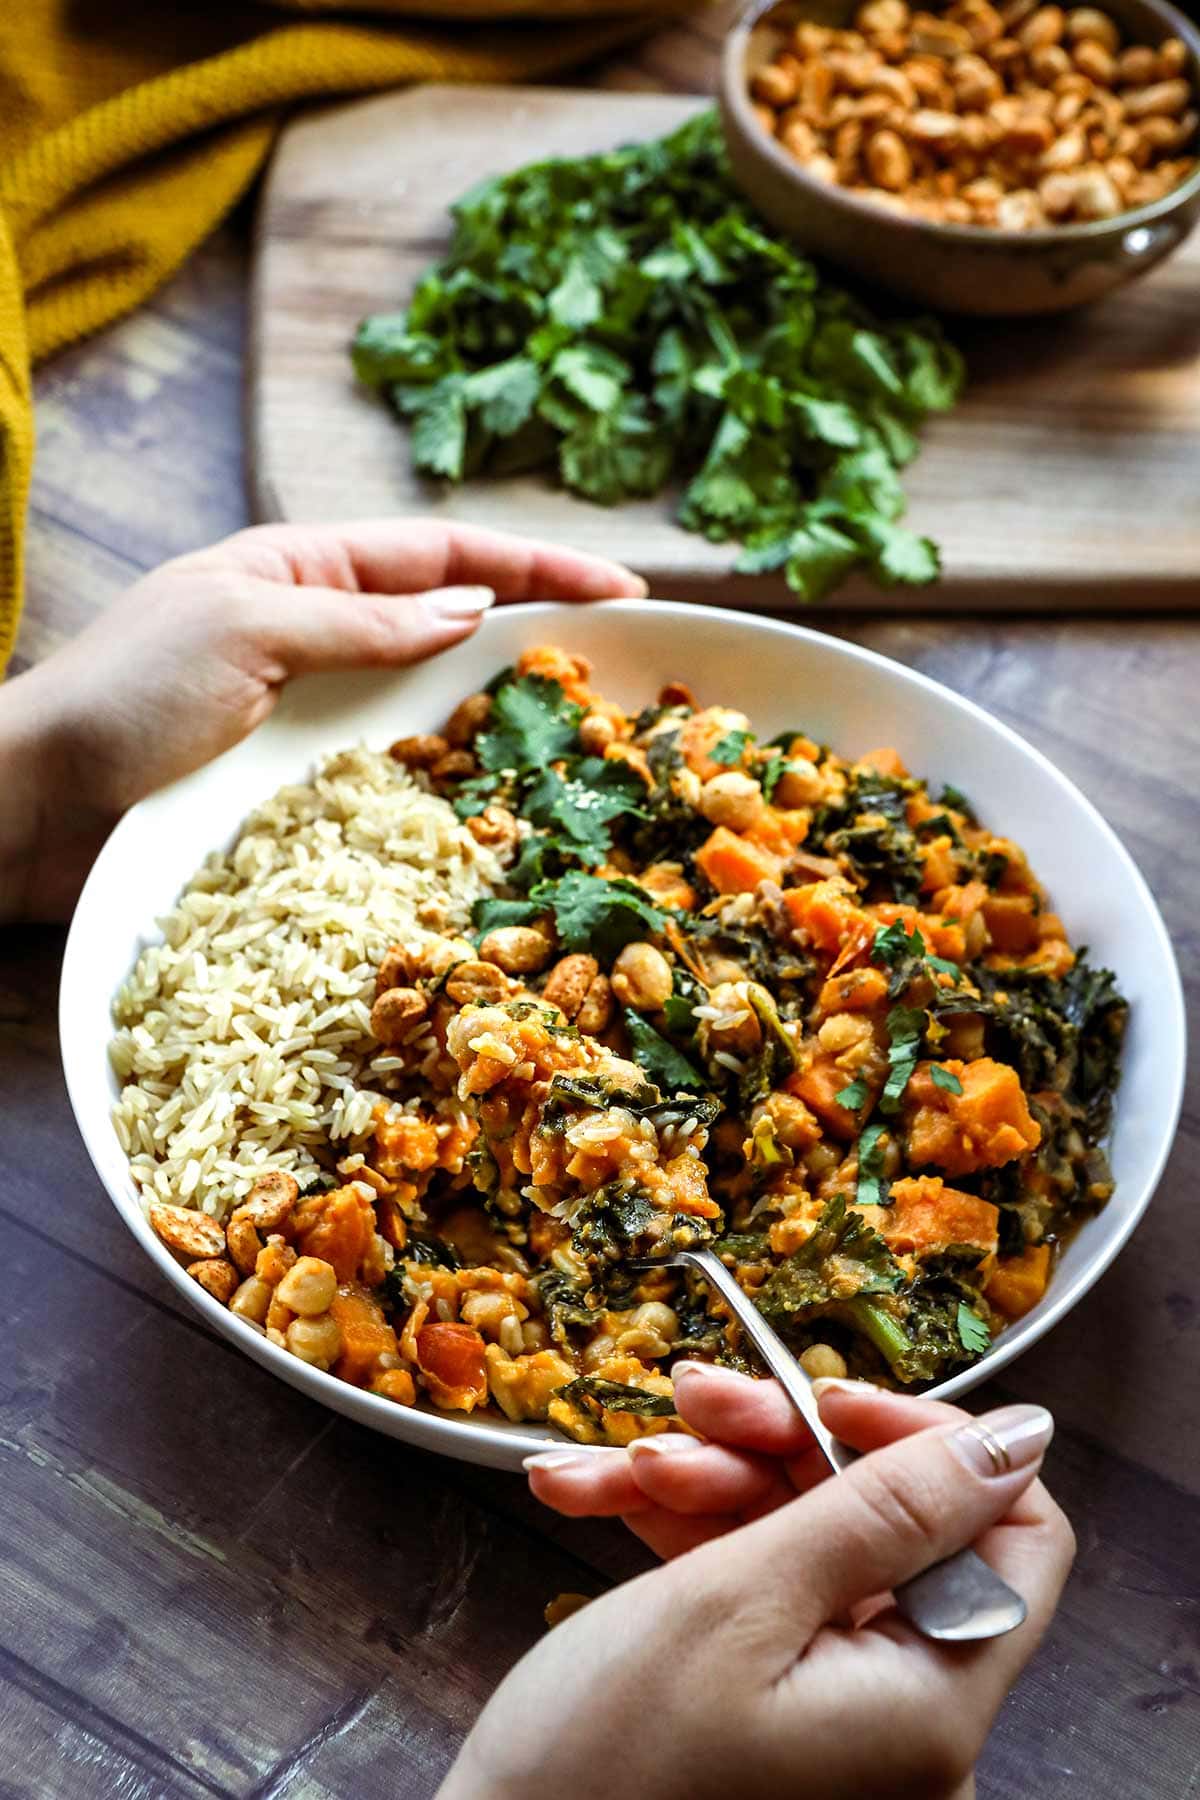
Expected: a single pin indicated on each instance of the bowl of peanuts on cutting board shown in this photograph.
(1002, 159)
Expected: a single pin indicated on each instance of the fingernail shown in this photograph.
(568, 1459)
(643, 587)
(685, 1371)
(460, 602)
(670, 1443)
(1004, 1441)
(837, 1384)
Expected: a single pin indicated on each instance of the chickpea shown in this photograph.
(308, 1287)
(821, 1362)
(657, 1316)
(795, 1127)
(468, 718)
(251, 1300)
(397, 1385)
(843, 1031)
(517, 949)
(732, 799)
(488, 1311)
(739, 1033)
(596, 733)
(315, 1341)
(396, 1012)
(642, 978)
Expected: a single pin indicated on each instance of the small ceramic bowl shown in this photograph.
(952, 268)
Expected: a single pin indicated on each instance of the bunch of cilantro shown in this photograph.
(628, 319)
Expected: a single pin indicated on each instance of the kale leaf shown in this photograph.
(842, 1250)
(595, 1394)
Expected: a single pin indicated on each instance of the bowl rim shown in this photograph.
(735, 98)
(481, 1441)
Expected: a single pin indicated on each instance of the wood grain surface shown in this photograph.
(208, 1586)
(1066, 478)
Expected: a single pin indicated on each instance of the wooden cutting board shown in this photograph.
(1068, 476)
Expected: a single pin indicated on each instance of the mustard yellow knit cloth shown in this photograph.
(128, 128)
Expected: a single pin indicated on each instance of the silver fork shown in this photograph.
(960, 1600)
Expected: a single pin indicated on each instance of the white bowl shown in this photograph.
(783, 677)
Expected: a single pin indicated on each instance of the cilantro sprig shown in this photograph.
(627, 319)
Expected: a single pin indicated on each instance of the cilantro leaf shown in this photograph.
(592, 913)
(490, 914)
(627, 318)
(730, 749)
(894, 942)
(906, 1026)
(870, 1191)
(532, 723)
(666, 1066)
(973, 1334)
(584, 801)
(853, 1095)
(945, 1079)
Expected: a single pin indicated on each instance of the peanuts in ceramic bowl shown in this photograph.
(1016, 117)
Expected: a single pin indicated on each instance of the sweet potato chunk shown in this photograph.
(828, 915)
(986, 1125)
(925, 1216)
(1015, 1285)
(735, 865)
(818, 1086)
(339, 1227)
(366, 1336)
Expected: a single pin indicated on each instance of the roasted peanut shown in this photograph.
(1096, 197)
(774, 85)
(596, 733)
(397, 969)
(568, 982)
(475, 983)
(641, 977)
(517, 949)
(396, 1013)
(890, 167)
(467, 720)
(595, 1015)
(190, 1234)
(1086, 25)
(495, 827)
(419, 752)
(1162, 97)
(983, 116)
(270, 1200)
(216, 1276)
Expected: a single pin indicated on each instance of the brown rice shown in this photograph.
(243, 1038)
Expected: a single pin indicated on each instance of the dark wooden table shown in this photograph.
(208, 1585)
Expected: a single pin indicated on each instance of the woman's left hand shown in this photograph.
(193, 657)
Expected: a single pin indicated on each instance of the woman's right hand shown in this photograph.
(736, 1668)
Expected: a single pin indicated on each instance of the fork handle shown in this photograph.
(958, 1600)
